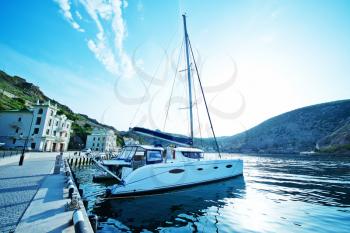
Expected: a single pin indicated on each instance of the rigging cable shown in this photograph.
(205, 101)
(199, 124)
(149, 85)
(172, 88)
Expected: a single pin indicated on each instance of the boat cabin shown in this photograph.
(137, 155)
(185, 154)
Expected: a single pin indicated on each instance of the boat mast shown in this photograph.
(189, 77)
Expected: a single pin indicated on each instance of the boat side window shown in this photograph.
(139, 156)
(154, 156)
(127, 153)
(192, 155)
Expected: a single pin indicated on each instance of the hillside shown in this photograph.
(326, 125)
(323, 127)
(17, 93)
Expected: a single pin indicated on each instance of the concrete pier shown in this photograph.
(32, 198)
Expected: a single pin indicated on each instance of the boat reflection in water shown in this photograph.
(177, 208)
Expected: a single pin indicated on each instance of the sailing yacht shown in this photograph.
(144, 169)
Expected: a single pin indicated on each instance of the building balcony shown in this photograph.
(61, 129)
(60, 139)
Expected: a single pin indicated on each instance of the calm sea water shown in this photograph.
(280, 193)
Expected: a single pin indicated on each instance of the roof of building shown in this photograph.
(102, 131)
(16, 111)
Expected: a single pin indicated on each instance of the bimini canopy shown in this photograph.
(185, 141)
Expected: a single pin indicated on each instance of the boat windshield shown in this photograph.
(192, 155)
(154, 156)
(127, 153)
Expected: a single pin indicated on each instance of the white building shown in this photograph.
(101, 139)
(40, 126)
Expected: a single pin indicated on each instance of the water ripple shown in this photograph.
(280, 193)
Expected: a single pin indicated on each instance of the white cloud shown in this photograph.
(66, 11)
(109, 49)
(78, 15)
(139, 6)
(104, 55)
(125, 4)
(108, 43)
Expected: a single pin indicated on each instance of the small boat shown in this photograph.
(143, 170)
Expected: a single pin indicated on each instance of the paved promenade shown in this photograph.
(18, 185)
(32, 199)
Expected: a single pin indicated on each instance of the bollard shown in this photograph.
(108, 192)
(70, 190)
(70, 182)
(93, 221)
(79, 223)
(81, 192)
(85, 203)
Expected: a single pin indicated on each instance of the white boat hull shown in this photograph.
(173, 175)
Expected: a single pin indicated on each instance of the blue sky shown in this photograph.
(257, 58)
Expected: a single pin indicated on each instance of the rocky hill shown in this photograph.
(324, 127)
(17, 93)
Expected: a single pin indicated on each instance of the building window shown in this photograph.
(94, 138)
(17, 129)
(98, 144)
(51, 113)
(40, 111)
(19, 118)
(54, 133)
(32, 145)
(38, 121)
(98, 139)
(67, 126)
(62, 125)
(36, 131)
(47, 132)
(56, 123)
(60, 134)
(93, 144)
(14, 141)
(50, 121)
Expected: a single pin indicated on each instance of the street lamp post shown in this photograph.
(21, 159)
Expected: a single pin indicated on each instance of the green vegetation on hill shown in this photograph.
(337, 141)
(323, 128)
(323, 125)
(16, 93)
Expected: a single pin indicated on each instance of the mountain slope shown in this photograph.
(337, 141)
(295, 131)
